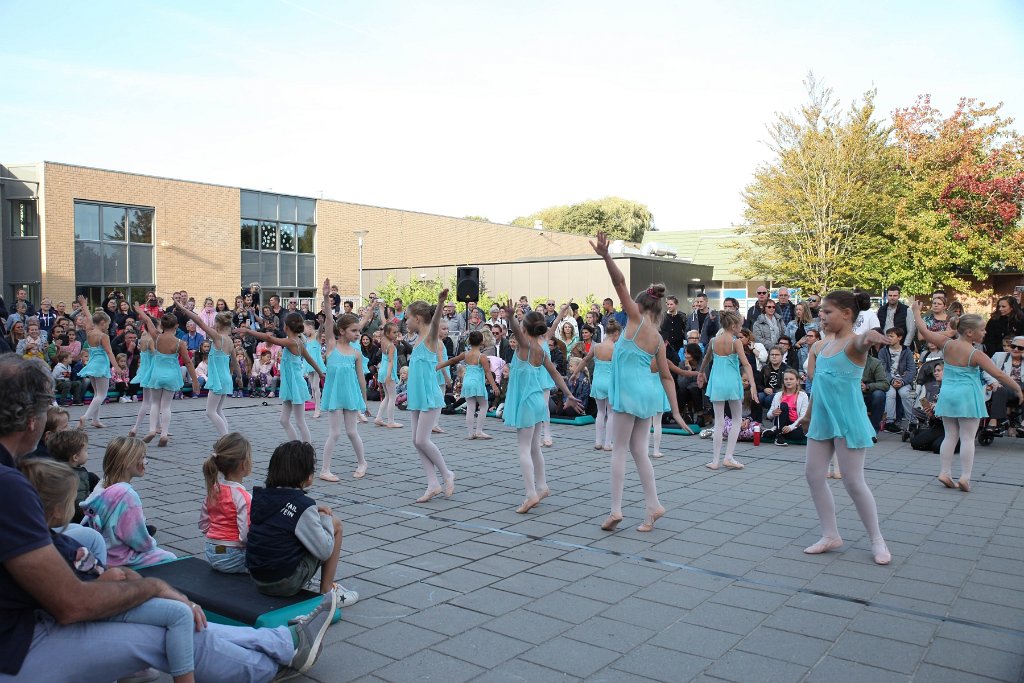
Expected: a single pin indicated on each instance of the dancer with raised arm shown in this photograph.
(525, 406)
(474, 391)
(169, 354)
(293, 390)
(638, 366)
(222, 365)
(602, 355)
(838, 422)
(424, 398)
(961, 403)
(344, 395)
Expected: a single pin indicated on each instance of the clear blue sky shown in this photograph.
(474, 106)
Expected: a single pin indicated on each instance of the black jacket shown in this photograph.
(272, 550)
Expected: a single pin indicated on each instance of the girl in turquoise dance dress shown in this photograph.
(961, 403)
(165, 376)
(637, 366)
(101, 359)
(424, 397)
(344, 396)
(474, 390)
(838, 420)
(602, 354)
(222, 366)
(292, 388)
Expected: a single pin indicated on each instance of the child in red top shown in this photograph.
(225, 514)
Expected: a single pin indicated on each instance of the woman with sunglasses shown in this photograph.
(1011, 365)
(768, 327)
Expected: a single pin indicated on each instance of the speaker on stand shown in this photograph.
(467, 287)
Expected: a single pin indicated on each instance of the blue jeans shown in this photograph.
(103, 651)
(231, 561)
(90, 538)
(875, 402)
(178, 619)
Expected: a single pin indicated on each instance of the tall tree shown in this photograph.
(813, 212)
(620, 218)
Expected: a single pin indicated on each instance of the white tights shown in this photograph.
(603, 436)
(474, 404)
(819, 453)
(350, 418)
(100, 385)
(147, 407)
(735, 409)
(531, 460)
(547, 415)
(298, 411)
(430, 455)
(160, 412)
(960, 429)
(657, 432)
(631, 434)
(314, 388)
(386, 411)
(215, 411)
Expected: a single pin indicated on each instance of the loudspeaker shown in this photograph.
(467, 284)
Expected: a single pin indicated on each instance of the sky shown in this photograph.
(476, 107)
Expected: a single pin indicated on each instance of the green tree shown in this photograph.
(478, 218)
(620, 218)
(813, 213)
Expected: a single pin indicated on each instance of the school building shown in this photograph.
(69, 230)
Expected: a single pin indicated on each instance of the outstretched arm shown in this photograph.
(986, 364)
(329, 316)
(85, 314)
(570, 400)
(264, 337)
(455, 360)
(618, 279)
(435, 322)
(562, 313)
(191, 315)
(514, 328)
(937, 338)
(187, 362)
(304, 352)
(147, 321)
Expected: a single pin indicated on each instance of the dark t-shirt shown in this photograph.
(22, 530)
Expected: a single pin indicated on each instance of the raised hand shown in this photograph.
(443, 296)
(327, 287)
(602, 244)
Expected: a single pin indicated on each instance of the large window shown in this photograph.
(23, 218)
(278, 240)
(113, 248)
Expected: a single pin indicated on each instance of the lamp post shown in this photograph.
(360, 234)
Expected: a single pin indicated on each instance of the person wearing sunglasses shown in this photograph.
(758, 308)
(1003, 397)
(769, 326)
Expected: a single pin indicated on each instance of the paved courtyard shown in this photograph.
(465, 589)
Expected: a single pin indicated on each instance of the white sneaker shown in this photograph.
(346, 598)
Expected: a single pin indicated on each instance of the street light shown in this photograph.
(360, 234)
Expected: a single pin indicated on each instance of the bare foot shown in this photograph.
(327, 475)
(360, 471)
(428, 495)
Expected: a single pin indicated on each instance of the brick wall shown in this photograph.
(195, 232)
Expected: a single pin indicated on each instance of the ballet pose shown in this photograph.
(546, 382)
(444, 378)
(602, 355)
(639, 373)
(165, 374)
(961, 403)
(344, 397)
(387, 377)
(316, 353)
(726, 384)
(142, 376)
(838, 421)
(222, 366)
(478, 369)
(292, 388)
(424, 398)
(525, 406)
(101, 359)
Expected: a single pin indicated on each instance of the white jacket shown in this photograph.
(802, 402)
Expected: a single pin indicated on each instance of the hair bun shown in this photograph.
(863, 301)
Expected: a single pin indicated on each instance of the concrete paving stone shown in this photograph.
(397, 639)
(610, 634)
(741, 551)
(758, 598)
(884, 624)
(817, 603)
(345, 661)
(677, 595)
(696, 640)
(435, 562)
(1007, 597)
(659, 664)
(604, 590)
(499, 566)
(745, 666)
(529, 626)
(529, 584)
(807, 622)
(449, 537)
(567, 607)
(461, 580)
(395, 575)
(565, 570)
(535, 553)
(963, 633)
(942, 674)
(446, 618)
(429, 665)
(472, 550)
(724, 618)
(675, 550)
(373, 558)
(483, 648)
(882, 653)
(491, 601)
(785, 645)
(570, 656)
(976, 659)
(410, 547)
(419, 595)
(720, 563)
(933, 576)
(519, 670)
(374, 612)
(844, 585)
(831, 670)
(987, 613)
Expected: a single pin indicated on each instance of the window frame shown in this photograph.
(15, 217)
(127, 243)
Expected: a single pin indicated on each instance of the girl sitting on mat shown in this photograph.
(290, 536)
(224, 518)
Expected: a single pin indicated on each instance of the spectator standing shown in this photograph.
(894, 313)
(784, 308)
(703, 320)
(1006, 321)
(755, 311)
